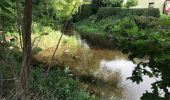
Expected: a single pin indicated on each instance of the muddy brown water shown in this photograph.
(109, 68)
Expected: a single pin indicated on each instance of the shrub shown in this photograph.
(57, 85)
(112, 3)
(165, 20)
(131, 3)
(112, 11)
(84, 12)
(124, 27)
(146, 22)
(96, 4)
(107, 3)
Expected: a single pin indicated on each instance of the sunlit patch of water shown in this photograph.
(125, 68)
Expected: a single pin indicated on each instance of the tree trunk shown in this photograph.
(26, 57)
(19, 22)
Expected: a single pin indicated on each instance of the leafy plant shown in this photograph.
(146, 22)
(57, 85)
(131, 3)
(107, 3)
(122, 12)
(112, 3)
(54, 12)
(140, 36)
(165, 20)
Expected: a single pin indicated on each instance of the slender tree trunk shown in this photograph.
(26, 60)
(19, 22)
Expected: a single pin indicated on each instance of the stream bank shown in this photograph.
(103, 71)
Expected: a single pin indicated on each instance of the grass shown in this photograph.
(91, 25)
(51, 39)
(87, 26)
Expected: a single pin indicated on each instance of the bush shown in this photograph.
(165, 20)
(107, 3)
(96, 4)
(146, 22)
(84, 12)
(112, 3)
(58, 85)
(112, 11)
(131, 3)
(123, 27)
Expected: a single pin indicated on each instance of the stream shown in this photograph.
(109, 68)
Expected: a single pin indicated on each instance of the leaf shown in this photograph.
(6, 10)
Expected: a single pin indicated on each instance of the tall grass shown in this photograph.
(51, 39)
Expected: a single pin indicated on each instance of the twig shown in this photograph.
(52, 58)
(8, 79)
(38, 37)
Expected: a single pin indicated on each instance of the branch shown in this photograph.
(19, 23)
(52, 58)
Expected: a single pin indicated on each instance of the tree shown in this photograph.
(54, 12)
(57, 10)
(7, 15)
(26, 57)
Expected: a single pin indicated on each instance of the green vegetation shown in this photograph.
(116, 25)
(111, 3)
(112, 28)
(85, 11)
(111, 11)
(88, 9)
(30, 26)
(131, 3)
(106, 3)
(51, 37)
(111, 8)
(164, 20)
(57, 85)
(17, 79)
(54, 13)
(140, 36)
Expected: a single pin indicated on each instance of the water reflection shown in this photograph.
(125, 67)
(107, 69)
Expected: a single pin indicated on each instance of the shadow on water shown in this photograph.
(104, 71)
